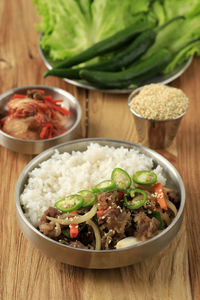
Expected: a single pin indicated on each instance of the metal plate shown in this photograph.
(83, 84)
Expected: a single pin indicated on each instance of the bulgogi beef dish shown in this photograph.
(34, 116)
(116, 213)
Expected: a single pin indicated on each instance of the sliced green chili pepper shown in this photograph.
(135, 75)
(109, 44)
(121, 179)
(138, 199)
(156, 214)
(140, 71)
(104, 186)
(70, 203)
(145, 177)
(88, 196)
(126, 56)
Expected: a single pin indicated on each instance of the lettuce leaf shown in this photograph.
(178, 34)
(183, 56)
(168, 9)
(64, 32)
(69, 27)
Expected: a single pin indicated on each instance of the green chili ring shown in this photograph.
(136, 201)
(65, 206)
(104, 186)
(88, 196)
(121, 179)
(145, 177)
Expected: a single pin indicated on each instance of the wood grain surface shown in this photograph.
(26, 273)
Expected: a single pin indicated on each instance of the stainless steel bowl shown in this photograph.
(156, 134)
(101, 259)
(73, 125)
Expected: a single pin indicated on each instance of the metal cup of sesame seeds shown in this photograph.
(157, 110)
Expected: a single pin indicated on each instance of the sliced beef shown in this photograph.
(112, 224)
(110, 239)
(116, 219)
(77, 244)
(107, 199)
(107, 239)
(167, 216)
(173, 196)
(86, 235)
(151, 203)
(146, 227)
(48, 228)
(50, 212)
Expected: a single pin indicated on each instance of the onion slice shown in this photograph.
(171, 206)
(76, 219)
(96, 233)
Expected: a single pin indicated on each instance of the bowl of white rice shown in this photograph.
(79, 165)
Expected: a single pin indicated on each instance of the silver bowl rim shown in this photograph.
(46, 87)
(140, 148)
(151, 120)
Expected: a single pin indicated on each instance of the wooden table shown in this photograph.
(26, 273)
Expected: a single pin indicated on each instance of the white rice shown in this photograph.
(66, 173)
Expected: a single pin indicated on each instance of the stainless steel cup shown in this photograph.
(155, 134)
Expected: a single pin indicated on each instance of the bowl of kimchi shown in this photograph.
(35, 118)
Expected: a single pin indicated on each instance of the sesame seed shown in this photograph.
(160, 102)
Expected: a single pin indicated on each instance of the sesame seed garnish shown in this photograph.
(158, 195)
